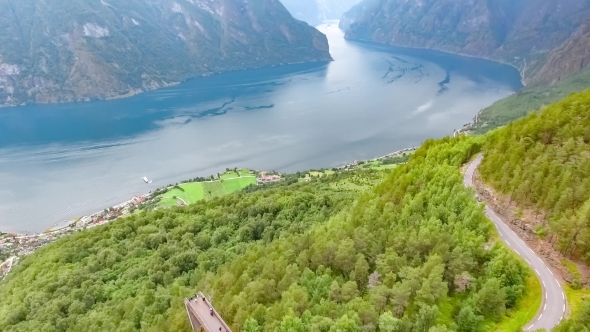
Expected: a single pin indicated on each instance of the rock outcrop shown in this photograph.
(58, 51)
(547, 39)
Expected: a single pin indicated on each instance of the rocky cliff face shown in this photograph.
(315, 12)
(57, 51)
(569, 58)
(533, 35)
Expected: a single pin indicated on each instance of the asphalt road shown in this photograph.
(554, 303)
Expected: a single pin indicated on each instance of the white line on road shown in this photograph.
(511, 239)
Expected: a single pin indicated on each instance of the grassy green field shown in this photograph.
(232, 174)
(213, 189)
(377, 165)
(237, 184)
(193, 192)
(189, 192)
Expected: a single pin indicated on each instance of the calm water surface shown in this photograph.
(63, 161)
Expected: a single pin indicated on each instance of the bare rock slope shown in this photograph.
(547, 40)
(58, 51)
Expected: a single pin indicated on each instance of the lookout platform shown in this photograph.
(203, 316)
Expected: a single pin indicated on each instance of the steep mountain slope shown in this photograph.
(133, 275)
(414, 253)
(530, 99)
(315, 12)
(542, 38)
(539, 169)
(55, 51)
(543, 163)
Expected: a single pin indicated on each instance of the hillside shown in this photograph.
(540, 167)
(55, 51)
(543, 163)
(546, 40)
(133, 274)
(530, 99)
(415, 252)
(315, 12)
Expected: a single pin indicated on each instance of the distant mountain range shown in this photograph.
(58, 51)
(547, 40)
(315, 12)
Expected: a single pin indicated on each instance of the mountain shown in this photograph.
(546, 40)
(56, 51)
(409, 249)
(315, 12)
(543, 162)
(357, 250)
(528, 100)
(536, 172)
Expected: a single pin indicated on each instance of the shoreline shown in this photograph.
(139, 198)
(139, 91)
(28, 243)
(520, 71)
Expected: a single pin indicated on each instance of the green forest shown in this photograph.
(413, 253)
(543, 162)
(530, 99)
(408, 249)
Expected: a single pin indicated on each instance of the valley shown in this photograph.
(478, 222)
(547, 41)
(55, 52)
(61, 161)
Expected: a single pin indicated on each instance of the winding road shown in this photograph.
(553, 304)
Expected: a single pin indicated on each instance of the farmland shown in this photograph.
(192, 192)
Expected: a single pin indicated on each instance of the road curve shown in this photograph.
(553, 304)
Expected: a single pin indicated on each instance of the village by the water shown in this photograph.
(15, 246)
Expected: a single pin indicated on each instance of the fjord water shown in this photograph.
(63, 161)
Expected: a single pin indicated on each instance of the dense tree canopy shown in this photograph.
(543, 162)
(580, 322)
(414, 253)
(134, 273)
(397, 260)
(530, 99)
